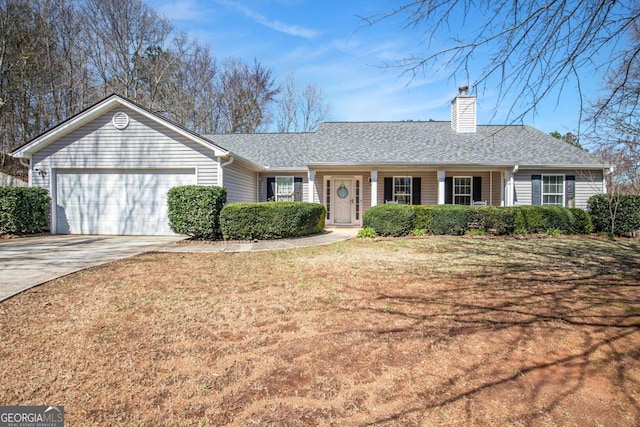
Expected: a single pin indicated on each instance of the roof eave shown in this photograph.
(407, 164)
(574, 166)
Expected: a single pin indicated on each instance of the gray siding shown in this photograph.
(143, 144)
(240, 182)
(588, 183)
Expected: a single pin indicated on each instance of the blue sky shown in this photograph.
(324, 42)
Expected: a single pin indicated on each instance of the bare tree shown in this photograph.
(300, 110)
(287, 114)
(26, 42)
(533, 48)
(246, 94)
(312, 107)
(119, 34)
(616, 134)
(193, 86)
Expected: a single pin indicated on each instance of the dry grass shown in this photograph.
(435, 331)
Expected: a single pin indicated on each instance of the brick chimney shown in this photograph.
(463, 111)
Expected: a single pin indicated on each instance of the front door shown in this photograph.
(343, 200)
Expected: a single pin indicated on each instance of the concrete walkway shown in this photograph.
(330, 235)
(31, 261)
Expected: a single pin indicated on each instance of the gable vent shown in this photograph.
(120, 120)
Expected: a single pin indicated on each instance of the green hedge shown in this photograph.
(400, 220)
(390, 220)
(263, 220)
(24, 210)
(615, 213)
(195, 210)
(450, 220)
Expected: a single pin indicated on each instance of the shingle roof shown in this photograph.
(419, 143)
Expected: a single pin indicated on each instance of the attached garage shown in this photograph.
(115, 201)
(109, 169)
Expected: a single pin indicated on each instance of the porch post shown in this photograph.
(374, 188)
(510, 189)
(441, 175)
(311, 190)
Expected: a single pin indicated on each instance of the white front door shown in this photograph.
(343, 200)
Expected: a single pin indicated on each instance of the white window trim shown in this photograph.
(393, 195)
(454, 194)
(564, 191)
(291, 195)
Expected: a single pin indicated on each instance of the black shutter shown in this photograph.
(477, 189)
(448, 190)
(297, 189)
(570, 191)
(536, 190)
(415, 190)
(271, 188)
(388, 190)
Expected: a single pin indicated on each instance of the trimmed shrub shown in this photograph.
(422, 218)
(495, 220)
(581, 222)
(451, 219)
(24, 210)
(366, 233)
(194, 210)
(618, 213)
(529, 219)
(390, 220)
(246, 221)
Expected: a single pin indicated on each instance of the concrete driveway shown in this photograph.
(28, 262)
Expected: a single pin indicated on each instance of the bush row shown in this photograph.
(194, 210)
(200, 212)
(401, 220)
(615, 213)
(24, 210)
(244, 221)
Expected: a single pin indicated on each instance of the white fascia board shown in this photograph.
(409, 165)
(253, 166)
(594, 166)
(97, 110)
(279, 170)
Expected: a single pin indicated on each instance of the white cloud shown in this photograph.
(182, 10)
(293, 30)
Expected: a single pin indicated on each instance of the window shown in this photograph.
(284, 189)
(402, 189)
(553, 190)
(462, 190)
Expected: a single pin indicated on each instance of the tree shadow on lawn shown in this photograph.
(564, 327)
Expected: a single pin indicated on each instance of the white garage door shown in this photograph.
(123, 202)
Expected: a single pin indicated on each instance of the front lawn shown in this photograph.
(433, 331)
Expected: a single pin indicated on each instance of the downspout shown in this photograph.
(222, 166)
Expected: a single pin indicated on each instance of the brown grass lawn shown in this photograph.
(429, 332)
